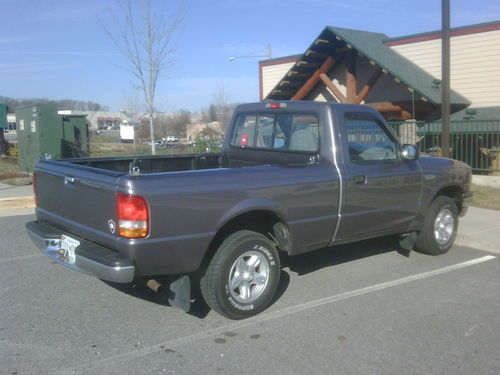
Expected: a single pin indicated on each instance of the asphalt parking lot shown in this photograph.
(354, 309)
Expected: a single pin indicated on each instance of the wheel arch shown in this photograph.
(261, 216)
(451, 191)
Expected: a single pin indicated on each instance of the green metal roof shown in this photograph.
(372, 46)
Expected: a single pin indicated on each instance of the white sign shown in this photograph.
(21, 124)
(33, 126)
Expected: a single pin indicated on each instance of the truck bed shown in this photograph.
(152, 164)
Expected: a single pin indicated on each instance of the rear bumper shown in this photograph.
(89, 258)
(466, 202)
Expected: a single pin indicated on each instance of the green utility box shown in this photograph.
(44, 134)
(3, 125)
(3, 115)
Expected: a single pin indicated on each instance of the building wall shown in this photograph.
(474, 64)
(271, 75)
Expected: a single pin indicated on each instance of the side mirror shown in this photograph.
(409, 152)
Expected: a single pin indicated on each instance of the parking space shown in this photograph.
(361, 308)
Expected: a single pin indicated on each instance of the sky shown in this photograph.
(58, 49)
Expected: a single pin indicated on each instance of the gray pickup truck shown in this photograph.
(292, 177)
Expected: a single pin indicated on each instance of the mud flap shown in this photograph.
(407, 241)
(180, 293)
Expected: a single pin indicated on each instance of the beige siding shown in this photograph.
(475, 64)
(272, 74)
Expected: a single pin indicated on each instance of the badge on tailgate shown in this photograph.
(67, 251)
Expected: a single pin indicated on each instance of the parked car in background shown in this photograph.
(160, 143)
(172, 138)
(292, 177)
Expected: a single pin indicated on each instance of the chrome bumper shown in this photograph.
(90, 258)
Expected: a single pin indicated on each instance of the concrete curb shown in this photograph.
(17, 202)
(488, 181)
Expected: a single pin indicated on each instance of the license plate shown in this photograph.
(68, 247)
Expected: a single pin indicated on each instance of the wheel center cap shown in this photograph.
(247, 276)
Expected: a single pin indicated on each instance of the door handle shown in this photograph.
(360, 179)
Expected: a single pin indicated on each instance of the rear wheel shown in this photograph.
(242, 277)
(439, 228)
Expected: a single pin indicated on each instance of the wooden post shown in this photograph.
(350, 77)
(332, 87)
(311, 82)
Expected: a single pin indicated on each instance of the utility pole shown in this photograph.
(445, 78)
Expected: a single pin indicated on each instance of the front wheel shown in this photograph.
(242, 277)
(439, 228)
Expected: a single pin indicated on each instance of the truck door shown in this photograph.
(382, 191)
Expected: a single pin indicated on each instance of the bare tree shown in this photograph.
(222, 107)
(146, 40)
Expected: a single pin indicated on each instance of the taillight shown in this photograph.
(132, 214)
(35, 196)
(274, 105)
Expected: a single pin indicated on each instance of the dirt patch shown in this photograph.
(19, 180)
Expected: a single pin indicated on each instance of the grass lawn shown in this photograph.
(8, 168)
(486, 197)
(10, 173)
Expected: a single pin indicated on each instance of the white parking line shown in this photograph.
(269, 316)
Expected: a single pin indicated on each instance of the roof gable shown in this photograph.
(372, 46)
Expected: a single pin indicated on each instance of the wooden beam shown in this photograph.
(385, 107)
(313, 80)
(388, 107)
(405, 115)
(321, 41)
(391, 111)
(333, 88)
(350, 77)
(363, 93)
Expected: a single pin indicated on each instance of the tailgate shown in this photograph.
(78, 199)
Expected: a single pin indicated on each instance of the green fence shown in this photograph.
(475, 142)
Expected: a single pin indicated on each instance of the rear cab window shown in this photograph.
(287, 132)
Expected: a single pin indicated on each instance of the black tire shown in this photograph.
(427, 242)
(214, 284)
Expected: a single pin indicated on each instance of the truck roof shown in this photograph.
(301, 105)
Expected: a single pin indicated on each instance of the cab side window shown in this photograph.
(368, 140)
